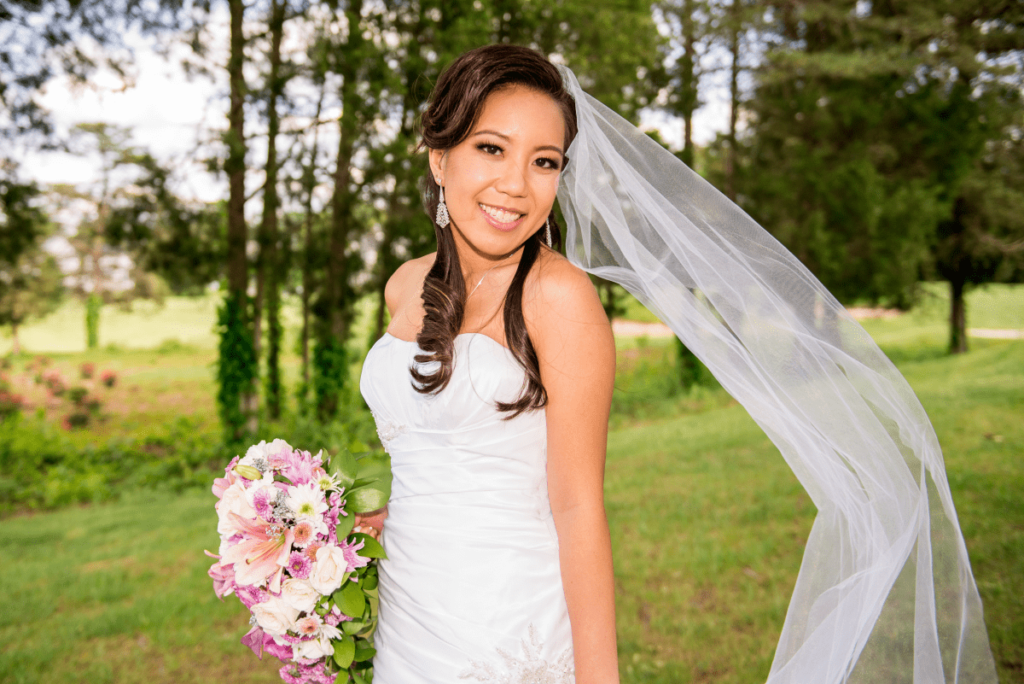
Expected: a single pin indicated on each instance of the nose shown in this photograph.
(512, 181)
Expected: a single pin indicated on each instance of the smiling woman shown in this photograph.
(497, 414)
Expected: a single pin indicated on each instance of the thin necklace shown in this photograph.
(481, 281)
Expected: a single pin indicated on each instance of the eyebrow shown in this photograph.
(553, 148)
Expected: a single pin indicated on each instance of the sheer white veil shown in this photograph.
(885, 591)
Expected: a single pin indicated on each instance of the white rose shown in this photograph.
(314, 649)
(328, 570)
(233, 500)
(275, 616)
(300, 595)
(264, 451)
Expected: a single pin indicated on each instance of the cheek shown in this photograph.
(465, 180)
(546, 189)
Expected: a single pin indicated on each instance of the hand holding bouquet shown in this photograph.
(288, 551)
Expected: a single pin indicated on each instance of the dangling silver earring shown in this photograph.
(547, 231)
(442, 217)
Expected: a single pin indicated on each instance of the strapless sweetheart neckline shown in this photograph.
(465, 334)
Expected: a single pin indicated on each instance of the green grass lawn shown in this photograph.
(708, 522)
(991, 306)
(708, 527)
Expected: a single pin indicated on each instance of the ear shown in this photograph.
(437, 166)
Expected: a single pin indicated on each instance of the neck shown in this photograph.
(475, 264)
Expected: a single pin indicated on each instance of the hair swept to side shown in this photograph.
(451, 113)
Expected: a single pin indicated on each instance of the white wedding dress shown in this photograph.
(471, 589)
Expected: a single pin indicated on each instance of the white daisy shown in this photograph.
(307, 502)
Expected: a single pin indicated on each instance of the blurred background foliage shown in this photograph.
(882, 141)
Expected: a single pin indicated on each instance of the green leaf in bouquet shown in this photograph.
(371, 547)
(367, 498)
(248, 472)
(345, 524)
(358, 678)
(364, 651)
(344, 651)
(373, 467)
(374, 607)
(350, 599)
(353, 626)
(344, 468)
(370, 583)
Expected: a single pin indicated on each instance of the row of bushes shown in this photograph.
(42, 467)
(657, 380)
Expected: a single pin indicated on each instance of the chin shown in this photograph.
(489, 240)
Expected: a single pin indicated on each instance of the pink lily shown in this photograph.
(263, 553)
(261, 642)
(222, 483)
(223, 577)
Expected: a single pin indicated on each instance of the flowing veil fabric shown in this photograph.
(885, 591)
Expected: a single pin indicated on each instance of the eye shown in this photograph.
(549, 163)
(488, 148)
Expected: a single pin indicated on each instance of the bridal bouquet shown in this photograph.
(289, 553)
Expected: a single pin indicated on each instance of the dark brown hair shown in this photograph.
(452, 112)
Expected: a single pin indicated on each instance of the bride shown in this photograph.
(492, 386)
(496, 535)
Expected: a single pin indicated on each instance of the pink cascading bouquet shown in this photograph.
(289, 553)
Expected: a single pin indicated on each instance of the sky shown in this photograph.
(170, 114)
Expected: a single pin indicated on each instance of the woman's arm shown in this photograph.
(576, 349)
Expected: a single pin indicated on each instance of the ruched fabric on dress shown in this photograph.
(471, 589)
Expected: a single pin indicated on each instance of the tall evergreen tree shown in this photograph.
(850, 153)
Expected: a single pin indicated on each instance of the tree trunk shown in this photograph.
(957, 318)
(734, 99)
(269, 226)
(15, 343)
(341, 202)
(236, 362)
(309, 183)
(689, 81)
(235, 164)
(382, 279)
(331, 365)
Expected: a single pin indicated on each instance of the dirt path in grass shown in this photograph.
(623, 328)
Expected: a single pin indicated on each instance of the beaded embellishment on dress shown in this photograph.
(530, 669)
(387, 431)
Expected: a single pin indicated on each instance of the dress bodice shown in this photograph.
(471, 587)
(456, 442)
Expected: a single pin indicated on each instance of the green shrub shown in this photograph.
(42, 468)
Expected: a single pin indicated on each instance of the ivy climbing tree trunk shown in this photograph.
(269, 251)
(236, 361)
(93, 304)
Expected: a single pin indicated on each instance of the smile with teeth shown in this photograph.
(500, 215)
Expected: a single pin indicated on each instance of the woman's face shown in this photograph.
(500, 182)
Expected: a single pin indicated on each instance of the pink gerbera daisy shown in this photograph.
(304, 533)
(263, 504)
(309, 625)
(299, 565)
(312, 549)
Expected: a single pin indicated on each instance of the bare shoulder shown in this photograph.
(562, 307)
(406, 282)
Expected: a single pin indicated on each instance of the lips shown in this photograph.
(500, 217)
